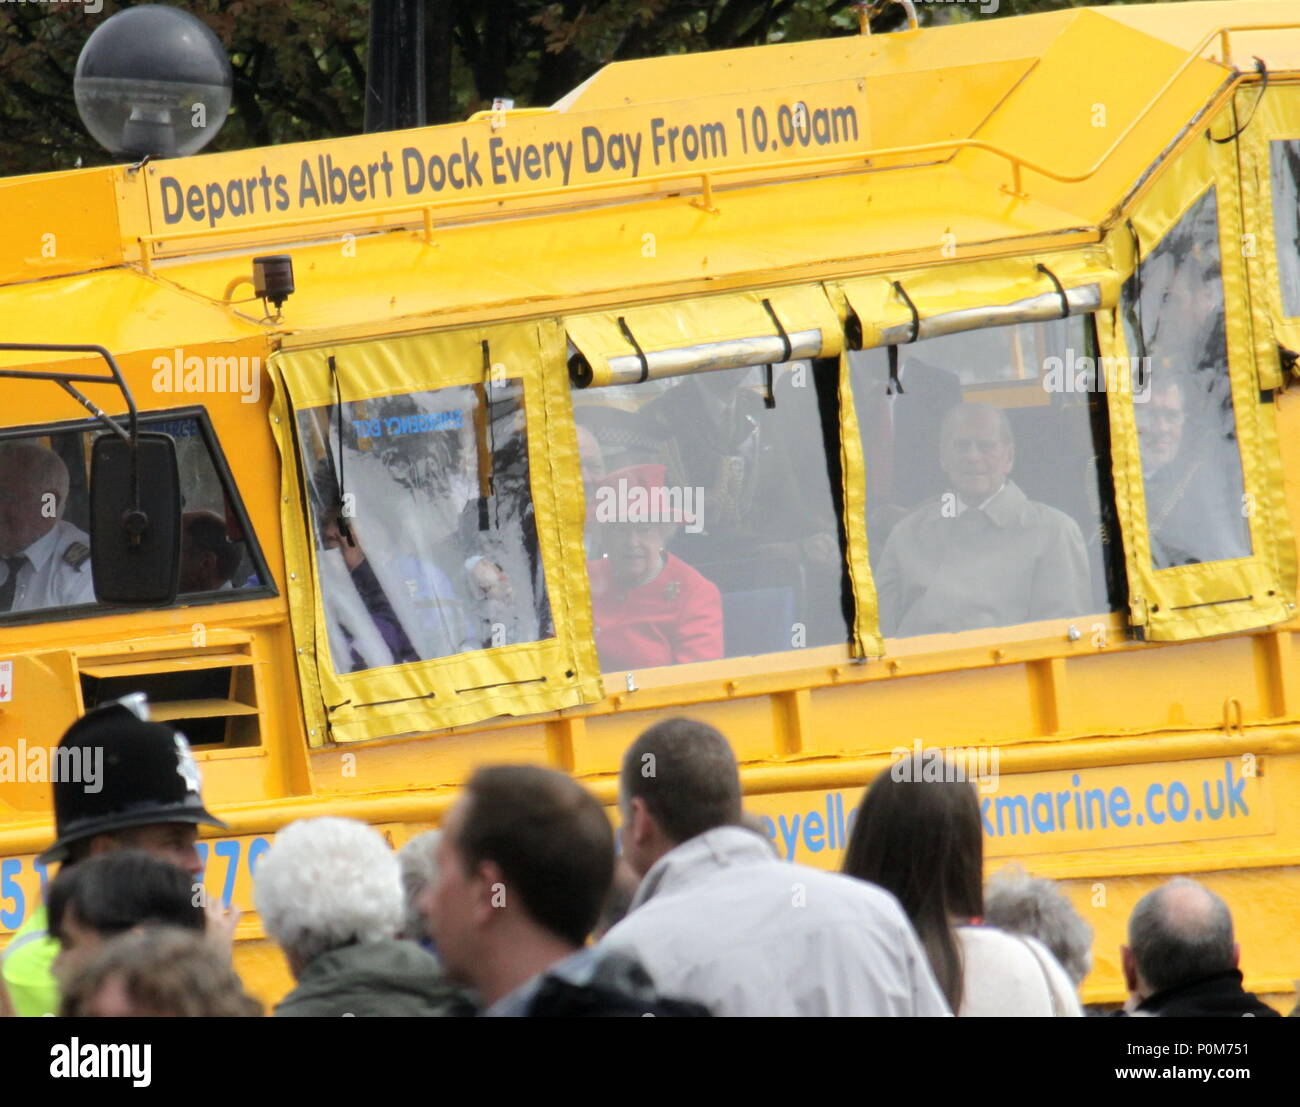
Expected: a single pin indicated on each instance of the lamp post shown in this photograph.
(153, 81)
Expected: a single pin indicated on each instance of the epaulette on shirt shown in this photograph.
(76, 554)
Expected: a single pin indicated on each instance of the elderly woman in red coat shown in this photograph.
(650, 608)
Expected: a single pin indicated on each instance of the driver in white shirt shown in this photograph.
(44, 561)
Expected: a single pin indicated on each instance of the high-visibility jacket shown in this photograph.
(28, 968)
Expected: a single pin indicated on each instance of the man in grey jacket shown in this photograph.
(719, 920)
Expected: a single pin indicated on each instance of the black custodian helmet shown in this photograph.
(144, 775)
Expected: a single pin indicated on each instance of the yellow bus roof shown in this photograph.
(1050, 121)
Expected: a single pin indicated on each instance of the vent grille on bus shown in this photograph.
(208, 694)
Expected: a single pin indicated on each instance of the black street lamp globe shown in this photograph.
(153, 80)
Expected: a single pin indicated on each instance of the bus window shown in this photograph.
(215, 555)
(712, 522)
(44, 547)
(984, 488)
(1187, 433)
(1284, 160)
(426, 544)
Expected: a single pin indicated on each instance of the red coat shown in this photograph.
(677, 617)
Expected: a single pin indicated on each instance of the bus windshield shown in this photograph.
(45, 568)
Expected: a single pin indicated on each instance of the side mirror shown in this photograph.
(135, 541)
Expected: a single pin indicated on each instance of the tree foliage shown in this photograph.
(299, 65)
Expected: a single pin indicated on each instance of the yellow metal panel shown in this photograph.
(979, 706)
(1189, 23)
(238, 776)
(59, 223)
(39, 699)
(665, 248)
(958, 99)
(1068, 124)
(1169, 688)
(199, 709)
(443, 762)
(933, 52)
(117, 309)
(747, 723)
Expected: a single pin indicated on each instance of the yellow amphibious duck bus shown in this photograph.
(859, 396)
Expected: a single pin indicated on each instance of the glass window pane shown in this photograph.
(983, 479)
(712, 527)
(45, 513)
(1187, 431)
(214, 554)
(426, 540)
(1284, 158)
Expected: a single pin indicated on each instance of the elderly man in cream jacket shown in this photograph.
(720, 920)
(982, 554)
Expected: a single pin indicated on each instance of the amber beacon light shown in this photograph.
(273, 278)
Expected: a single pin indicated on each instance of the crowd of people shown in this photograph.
(521, 904)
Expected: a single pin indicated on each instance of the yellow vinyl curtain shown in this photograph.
(867, 640)
(723, 331)
(963, 296)
(1273, 117)
(515, 679)
(966, 295)
(1221, 596)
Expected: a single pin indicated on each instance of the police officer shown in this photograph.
(44, 561)
(145, 796)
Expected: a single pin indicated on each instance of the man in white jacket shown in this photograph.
(719, 920)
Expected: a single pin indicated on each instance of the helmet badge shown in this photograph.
(185, 765)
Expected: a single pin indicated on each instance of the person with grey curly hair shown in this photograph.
(1035, 906)
(418, 858)
(329, 893)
